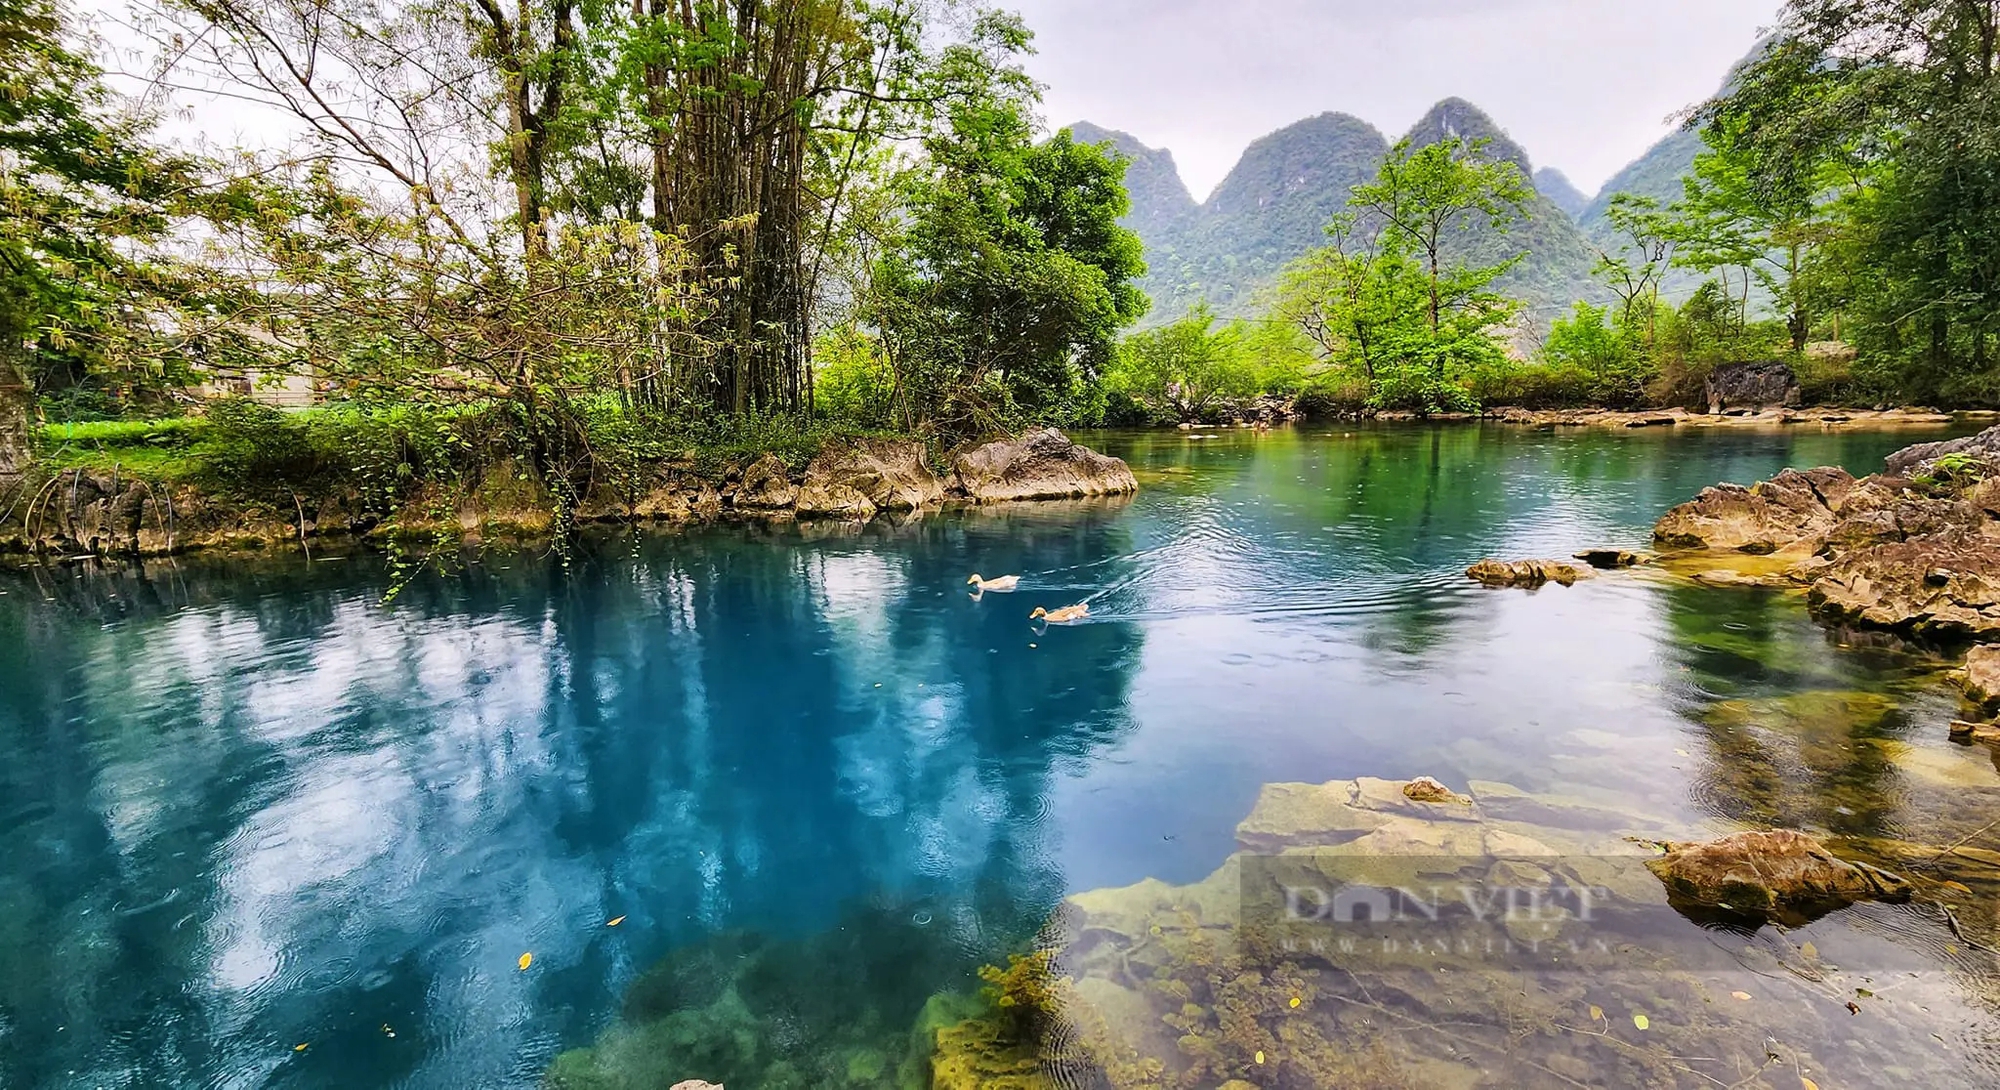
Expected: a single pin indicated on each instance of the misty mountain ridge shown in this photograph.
(1274, 205)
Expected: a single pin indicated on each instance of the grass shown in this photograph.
(162, 448)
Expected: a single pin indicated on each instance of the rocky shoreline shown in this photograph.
(1913, 551)
(77, 512)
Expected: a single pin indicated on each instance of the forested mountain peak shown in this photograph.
(1455, 117)
(1160, 199)
(1312, 159)
(1563, 193)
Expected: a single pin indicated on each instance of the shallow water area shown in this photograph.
(264, 830)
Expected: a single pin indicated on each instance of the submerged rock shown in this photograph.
(1612, 559)
(1769, 871)
(1525, 573)
(1040, 465)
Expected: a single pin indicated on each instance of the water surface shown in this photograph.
(248, 807)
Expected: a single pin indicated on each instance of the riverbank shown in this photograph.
(92, 511)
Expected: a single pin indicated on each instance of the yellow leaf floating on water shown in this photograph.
(1642, 1021)
(1744, 996)
(527, 960)
(1810, 951)
(298, 1048)
(1958, 887)
(1596, 1013)
(1260, 1056)
(1807, 1084)
(616, 922)
(1295, 1002)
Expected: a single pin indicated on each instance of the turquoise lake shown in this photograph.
(249, 807)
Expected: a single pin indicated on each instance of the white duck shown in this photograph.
(1065, 615)
(1006, 584)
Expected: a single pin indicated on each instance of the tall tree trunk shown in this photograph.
(15, 447)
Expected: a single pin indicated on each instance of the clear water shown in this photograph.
(247, 807)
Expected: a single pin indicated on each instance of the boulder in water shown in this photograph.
(1612, 559)
(1945, 587)
(1770, 871)
(1792, 509)
(1040, 465)
(1525, 573)
(1915, 461)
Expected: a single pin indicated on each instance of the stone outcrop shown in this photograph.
(1943, 588)
(1526, 573)
(1041, 465)
(857, 482)
(79, 512)
(1913, 461)
(1982, 677)
(766, 486)
(1751, 386)
(1770, 871)
(1788, 509)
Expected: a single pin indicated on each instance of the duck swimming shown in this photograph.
(1006, 584)
(1065, 615)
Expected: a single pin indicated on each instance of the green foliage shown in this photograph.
(88, 297)
(1389, 300)
(1185, 369)
(1000, 299)
(1866, 129)
(852, 380)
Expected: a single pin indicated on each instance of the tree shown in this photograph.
(1422, 198)
(1634, 272)
(94, 302)
(1186, 367)
(1891, 102)
(1004, 291)
(1349, 297)
(1385, 295)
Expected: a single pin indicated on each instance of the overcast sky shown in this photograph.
(1583, 85)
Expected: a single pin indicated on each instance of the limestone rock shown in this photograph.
(1751, 386)
(1912, 461)
(1040, 465)
(1426, 789)
(696, 1084)
(1792, 508)
(1941, 587)
(1983, 733)
(1725, 577)
(1525, 573)
(1768, 871)
(766, 486)
(856, 481)
(1982, 676)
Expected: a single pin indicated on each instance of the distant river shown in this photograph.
(259, 829)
